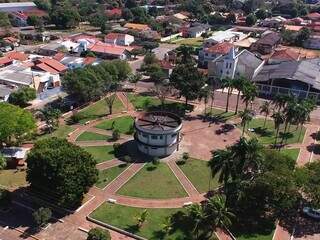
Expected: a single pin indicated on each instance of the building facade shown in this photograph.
(158, 133)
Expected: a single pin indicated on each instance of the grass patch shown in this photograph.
(101, 153)
(61, 132)
(149, 103)
(199, 174)
(219, 114)
(125, 218)
(153, 182)
(122, 124)
(99, 109)
(11, 178)
(107, 175)
(266, 135)
(91, 136)
(292, 153)
(194, 42)
(261, 230)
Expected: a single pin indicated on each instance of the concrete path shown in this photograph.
(109, 164)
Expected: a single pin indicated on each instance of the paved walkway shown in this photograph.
(109, 164)
(185, 182)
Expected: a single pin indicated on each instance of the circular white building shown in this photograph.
(158, 133)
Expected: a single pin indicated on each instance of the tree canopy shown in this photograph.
(22, 96)
(16, 124)
(93, 81)
(188, 80)
(62, 170)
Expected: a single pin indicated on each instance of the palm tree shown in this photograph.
(290, 114)
(278, 119)
(265, 109)
(238, 84)
(227, 83)
(218, 214)
(221, 162)
(167, 225)
(249, 93)
(204, 95)
(303, 112)
(246, 117)
(142, 218)
(197, 215)
(247, 154)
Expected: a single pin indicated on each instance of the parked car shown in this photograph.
(313, 213)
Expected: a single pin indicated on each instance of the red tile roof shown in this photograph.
(20, 56)
(113, 12)
(108, 49)
(285, 54)
(54, 64)
(5, 60)
(113, 36)
(59, 56)
(46, 68)
(220, 48)
(89, 60)
(313, 16)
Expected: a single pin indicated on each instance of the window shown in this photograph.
(207, 54)
(161, 137)
(144, 135)
(155, 148)
(174, 135)
(154, 137)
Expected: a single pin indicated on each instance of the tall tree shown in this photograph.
(278, 119)
(218, 214)
(61, 170)
(22, 96)
(188, 81)
(246, 117)
(265, 109)
(51, 117)
(239, 85)
(229, 84)
(249, 93)
(16, 124)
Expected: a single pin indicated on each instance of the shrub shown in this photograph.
(116, 147)
(42, 216)
(5, 198)
(115, 135)
(185, 156)
(155, 161)
(127, 158)
(98, 234)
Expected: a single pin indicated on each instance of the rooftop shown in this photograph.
(220, 48)
(285, 54)
(158, 121)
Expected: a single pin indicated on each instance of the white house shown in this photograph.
(235, 64)
(17, 6)
(119, 39)
(224, 36)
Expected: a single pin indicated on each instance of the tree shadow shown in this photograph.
(263, 132)
(132, 228)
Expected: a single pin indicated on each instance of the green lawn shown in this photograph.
(220, 114)
(153, 182)
(101, 153)
(194, 42)
(61, 132)
(91, 136)
(149, 103)
(293, 153)
(266, 134)
(12, 178)
(263, 230)
(107, 175)
(199, 174)
(123, 124)
(126, 218)
(258, 236)
(99, 109)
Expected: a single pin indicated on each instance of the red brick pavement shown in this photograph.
(109, 164)
(185, 182)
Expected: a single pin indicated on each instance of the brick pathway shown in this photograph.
(125, 176)
(185, 182)
(109, 164)
(99, 131)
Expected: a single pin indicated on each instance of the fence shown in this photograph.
(268, 91)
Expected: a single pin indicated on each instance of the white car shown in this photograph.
(312, 212)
